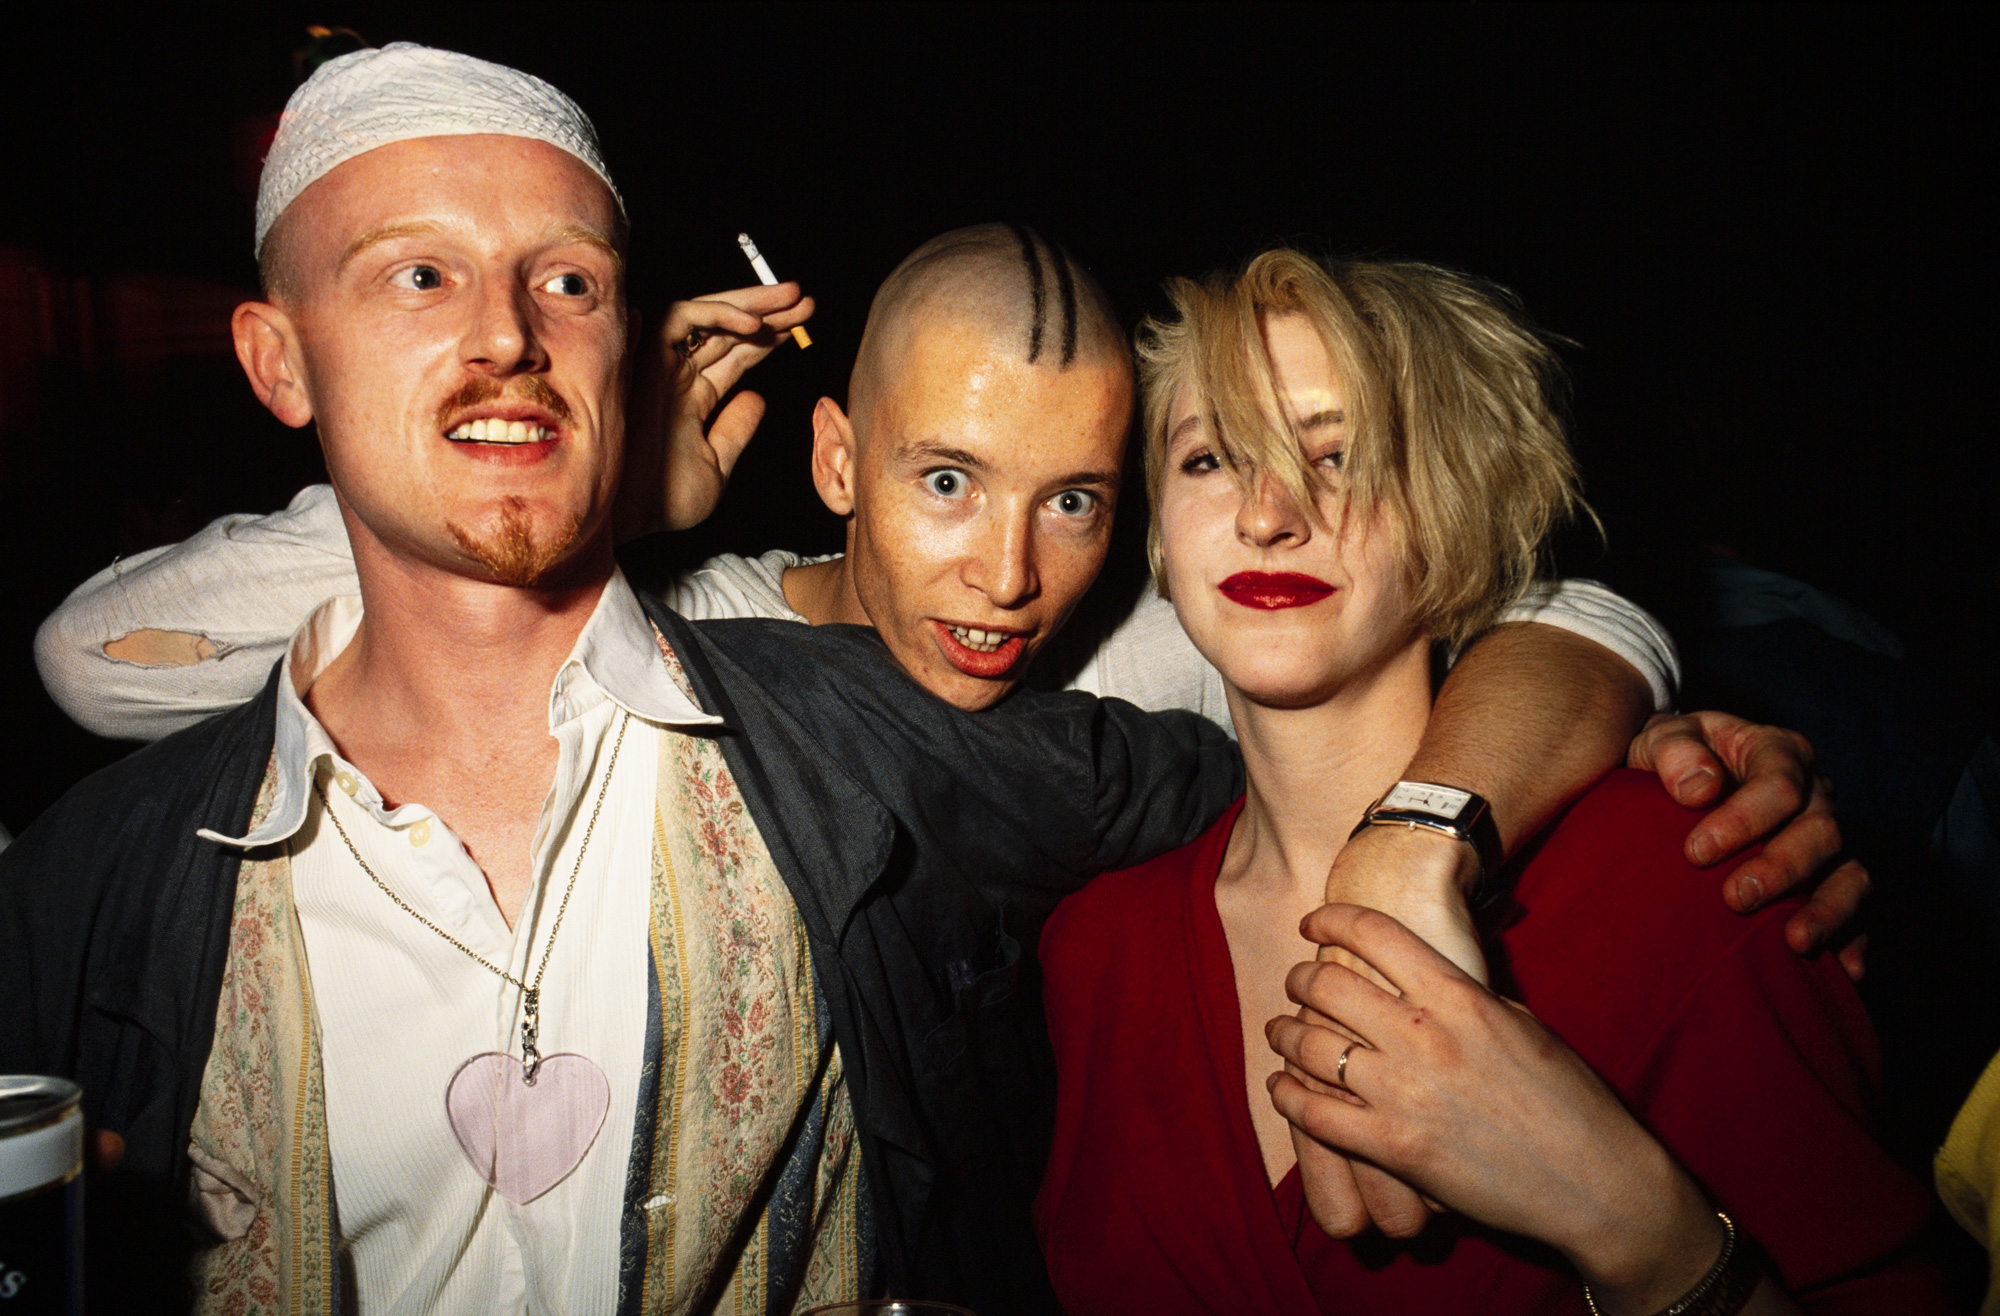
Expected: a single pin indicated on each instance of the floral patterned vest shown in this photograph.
(743, 1190)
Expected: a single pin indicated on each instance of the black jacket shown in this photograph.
(924, 848)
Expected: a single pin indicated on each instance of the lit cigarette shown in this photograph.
(763, 268)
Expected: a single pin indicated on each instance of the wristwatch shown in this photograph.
(1445, 809)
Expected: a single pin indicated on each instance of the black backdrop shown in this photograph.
(1761, 226)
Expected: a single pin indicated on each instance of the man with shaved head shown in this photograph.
(977, 463)
(894, 855)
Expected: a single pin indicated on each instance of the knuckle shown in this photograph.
(1403, 1217)
(1841, 895)
(1406, 1145)
(1787, 794)
(1462, 996)
(1373, 923)
(1821, 832)
(1319, 1050)
(1341, 1215)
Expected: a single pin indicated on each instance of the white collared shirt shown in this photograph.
(400, 1009)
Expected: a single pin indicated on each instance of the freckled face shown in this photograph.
(982, 505)
(462, 332)
(1288, 609)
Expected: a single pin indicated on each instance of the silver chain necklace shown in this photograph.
(531, 993)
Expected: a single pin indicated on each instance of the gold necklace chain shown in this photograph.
(531, 993)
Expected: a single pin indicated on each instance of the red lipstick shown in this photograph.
(1271, 590)
(986, 664)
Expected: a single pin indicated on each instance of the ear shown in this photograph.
(834, 457)
(267, 348)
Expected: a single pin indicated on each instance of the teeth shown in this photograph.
(974, 638)
(495, 430)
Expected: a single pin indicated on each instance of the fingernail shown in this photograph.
(1812, 936)
(1691, 780)
(1702, 849)
(1749, 892)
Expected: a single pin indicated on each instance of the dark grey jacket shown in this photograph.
(924, 847)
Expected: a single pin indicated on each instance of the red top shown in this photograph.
(1753, 1065)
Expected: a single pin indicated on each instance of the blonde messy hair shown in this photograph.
(1450, 402)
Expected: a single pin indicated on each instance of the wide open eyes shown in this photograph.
(947, 482)
(570, 284)
(1074, 503)
(418, 278)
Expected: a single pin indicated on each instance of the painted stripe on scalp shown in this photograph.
(1067, 286)
(1033, 261)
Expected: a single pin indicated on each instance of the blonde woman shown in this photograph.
(1350, 465)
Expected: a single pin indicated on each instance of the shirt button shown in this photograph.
(345, 780)
(420, 832)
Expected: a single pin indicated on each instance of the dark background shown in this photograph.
(1762, 228)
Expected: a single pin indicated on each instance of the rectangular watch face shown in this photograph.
(1444, 801)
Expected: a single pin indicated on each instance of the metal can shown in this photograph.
(41, 1196)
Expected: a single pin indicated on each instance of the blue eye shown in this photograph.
(947, 483)
(1074, 502)
(567, 285)
(420, 278)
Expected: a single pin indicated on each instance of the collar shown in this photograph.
(616, 657)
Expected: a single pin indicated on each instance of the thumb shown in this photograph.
(1686, 766)
(735, 425)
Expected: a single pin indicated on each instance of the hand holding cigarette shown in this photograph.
(764, 275)
(681, 440)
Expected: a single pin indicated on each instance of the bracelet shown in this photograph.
(1725, 1290)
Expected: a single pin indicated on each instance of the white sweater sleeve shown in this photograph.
(1586, 608)
(243, 583)
(1149, 660)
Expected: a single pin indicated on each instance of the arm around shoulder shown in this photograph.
(1609, 619)
(161, 640)
(1530, 716)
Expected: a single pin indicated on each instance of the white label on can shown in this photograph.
(41, 1156)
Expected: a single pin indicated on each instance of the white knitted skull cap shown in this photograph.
(370, 98)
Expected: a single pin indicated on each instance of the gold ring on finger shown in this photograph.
(688, 346)
(1340, 1067)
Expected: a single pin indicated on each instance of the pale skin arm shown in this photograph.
(1470, 1098)
(1529, 718)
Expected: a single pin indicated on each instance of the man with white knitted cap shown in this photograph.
(516, 1039)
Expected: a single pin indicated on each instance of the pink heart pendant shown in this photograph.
(523, 1140)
